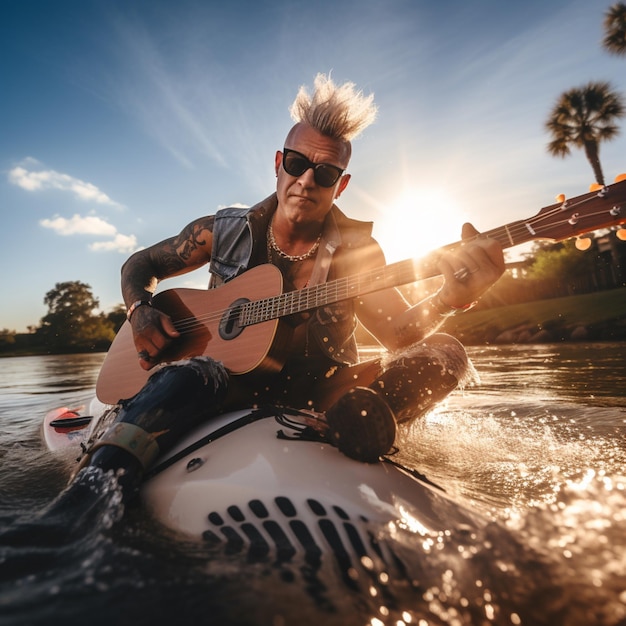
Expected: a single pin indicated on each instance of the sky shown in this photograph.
(122, 121)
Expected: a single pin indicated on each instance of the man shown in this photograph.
(300, 230)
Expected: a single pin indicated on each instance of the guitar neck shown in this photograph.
(292, 302)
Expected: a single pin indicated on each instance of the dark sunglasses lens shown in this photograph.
(326, 176)
(294, 164)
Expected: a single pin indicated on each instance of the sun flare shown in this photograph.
(417, 222)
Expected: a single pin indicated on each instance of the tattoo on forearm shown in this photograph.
(143, 270)
(192, 237)
(168, 259)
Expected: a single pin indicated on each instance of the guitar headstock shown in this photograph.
(601, 208)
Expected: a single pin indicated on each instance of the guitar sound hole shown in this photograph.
(230, 326)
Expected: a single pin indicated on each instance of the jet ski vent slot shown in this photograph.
(284, 528)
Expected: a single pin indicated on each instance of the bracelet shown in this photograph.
(135, 305)
(447, 310)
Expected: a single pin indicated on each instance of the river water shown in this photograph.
(538, 447)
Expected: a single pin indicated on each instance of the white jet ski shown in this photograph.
(262, 481)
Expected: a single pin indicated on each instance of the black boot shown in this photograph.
(361, 425)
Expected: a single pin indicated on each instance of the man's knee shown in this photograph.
(444, 350)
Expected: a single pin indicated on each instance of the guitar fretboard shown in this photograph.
(292, 302)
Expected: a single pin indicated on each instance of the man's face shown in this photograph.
(300, 199)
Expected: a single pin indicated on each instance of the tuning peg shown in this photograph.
(561, 198)
(620, 177)
(595, 187)
(621, 234)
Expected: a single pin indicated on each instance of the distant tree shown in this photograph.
(615, 29)
(7, 339)
(70, 323)
(583, 118)
(557, 261)
(117, 316)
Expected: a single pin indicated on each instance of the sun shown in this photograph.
(418, 221)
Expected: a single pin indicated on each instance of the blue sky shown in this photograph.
(121, 121)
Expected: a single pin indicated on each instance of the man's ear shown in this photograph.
(278, 159)
(343, 183)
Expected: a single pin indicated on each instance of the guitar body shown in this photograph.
(204, 319)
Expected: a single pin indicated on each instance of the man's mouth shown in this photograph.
(299, 196)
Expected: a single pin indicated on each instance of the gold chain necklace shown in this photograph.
(272, 245)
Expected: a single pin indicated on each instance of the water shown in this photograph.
(538, 448)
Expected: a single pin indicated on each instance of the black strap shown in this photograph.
(414, 473)
(301, 432)
(71, 422)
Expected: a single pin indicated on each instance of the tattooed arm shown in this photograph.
(191, 249)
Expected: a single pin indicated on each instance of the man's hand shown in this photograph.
(470, 269)
(153, 331)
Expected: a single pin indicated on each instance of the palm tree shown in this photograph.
(582, 118)
(615, 29)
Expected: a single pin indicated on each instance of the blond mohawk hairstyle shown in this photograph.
(340, 112)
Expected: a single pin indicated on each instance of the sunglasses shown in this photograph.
(295, 164)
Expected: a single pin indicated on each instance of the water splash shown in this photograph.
(581, 532)
(498, 457)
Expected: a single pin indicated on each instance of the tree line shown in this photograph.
(72, 324)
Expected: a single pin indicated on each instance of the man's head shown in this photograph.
(325, 124)
(339, 112)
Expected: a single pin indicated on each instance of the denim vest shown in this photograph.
(239, 236)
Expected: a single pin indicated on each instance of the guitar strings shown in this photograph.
(291, 302)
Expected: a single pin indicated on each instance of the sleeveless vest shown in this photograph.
(239, 236)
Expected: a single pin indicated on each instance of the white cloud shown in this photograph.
(92, 225)
(78, 225)
(20, 177)
(41, 180)
(31, 176)
(120, 243)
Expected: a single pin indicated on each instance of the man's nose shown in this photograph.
(307, 178)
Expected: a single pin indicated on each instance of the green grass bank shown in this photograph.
(597, 316)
